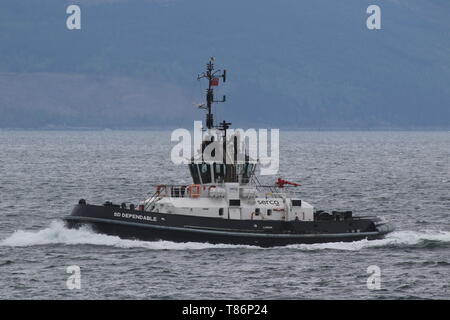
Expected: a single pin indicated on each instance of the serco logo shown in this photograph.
(266, 202)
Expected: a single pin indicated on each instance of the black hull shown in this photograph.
(151, 226)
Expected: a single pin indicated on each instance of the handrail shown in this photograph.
(202, 191)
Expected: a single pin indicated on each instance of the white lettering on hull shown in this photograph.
(134, 216)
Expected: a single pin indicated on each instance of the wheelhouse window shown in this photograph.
(219, 172)
(200, 172)
(194, 173)
(247, 172)
(205, 172)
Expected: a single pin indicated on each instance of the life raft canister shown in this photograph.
(194, 190)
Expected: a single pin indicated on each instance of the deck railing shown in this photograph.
(199, 191)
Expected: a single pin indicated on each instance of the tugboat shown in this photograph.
(226, 203)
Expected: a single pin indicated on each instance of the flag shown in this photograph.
(214, 81)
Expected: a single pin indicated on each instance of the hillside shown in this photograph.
(293, 64)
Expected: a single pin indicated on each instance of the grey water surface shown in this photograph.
(403, 176)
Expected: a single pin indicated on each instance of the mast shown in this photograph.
(227, 169)
(213, 80)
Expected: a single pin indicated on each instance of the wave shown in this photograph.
(57, 233)
(426, 238)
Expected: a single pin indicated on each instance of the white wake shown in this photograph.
(57, 233)
(394, 239)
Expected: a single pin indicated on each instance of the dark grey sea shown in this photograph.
(403, 176)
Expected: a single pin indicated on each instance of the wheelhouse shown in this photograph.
(216, 173)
